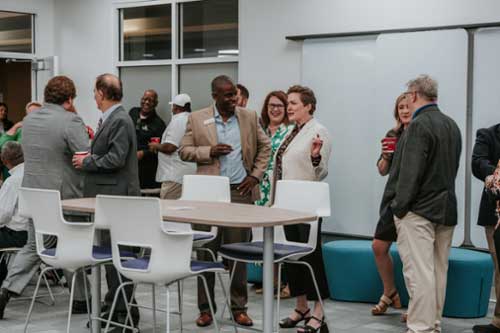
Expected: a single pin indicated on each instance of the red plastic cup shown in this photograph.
(154, 140)
(389, 143)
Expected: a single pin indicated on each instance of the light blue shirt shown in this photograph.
(231, 165)
(109, 111)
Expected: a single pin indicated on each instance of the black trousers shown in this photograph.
(299, 276)
(10, 238)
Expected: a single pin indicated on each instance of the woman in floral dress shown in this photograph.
(275, 122)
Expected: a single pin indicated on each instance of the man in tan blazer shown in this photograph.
(225, 140)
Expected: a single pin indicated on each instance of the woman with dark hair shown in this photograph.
(304, 155)
(5, 123)
(275, 123)
(385, 232)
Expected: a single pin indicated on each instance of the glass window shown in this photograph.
(136, 80)
(208, 29)
(146, 33)
(195, 80)
(16, 32)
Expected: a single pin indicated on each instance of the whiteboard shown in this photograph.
(357, 81)
(486, 102)
(340, 71)
(441, 54)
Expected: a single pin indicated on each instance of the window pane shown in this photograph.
(209, 29)
(138, 79)
(195, 80)
(147, 33)
(15, 32)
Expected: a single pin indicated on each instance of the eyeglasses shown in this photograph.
(275, 106)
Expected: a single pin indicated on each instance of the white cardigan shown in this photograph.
(296, 163)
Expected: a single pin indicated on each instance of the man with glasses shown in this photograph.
(424, 204)
(148, 125)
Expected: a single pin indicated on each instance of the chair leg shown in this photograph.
(210, 305)
(154, 306)
(129, 319)
(314, 281)
(33, 299)
(49, 290)
(87, 298)
(71, 295)
(113, 305)
(226, 301)
(278, 298)
(168, 311)
(179, 300)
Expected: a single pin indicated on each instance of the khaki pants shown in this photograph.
(424, 248)
(170, 190)
(490, 230)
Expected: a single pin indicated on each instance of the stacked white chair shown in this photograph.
(304, 196)
(137, 222)
(74, 251)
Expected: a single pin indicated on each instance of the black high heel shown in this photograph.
(322, 328)
(290, 323)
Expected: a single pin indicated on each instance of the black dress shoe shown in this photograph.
(485, 329)
(4, 299)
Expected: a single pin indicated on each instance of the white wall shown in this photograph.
(268, 61)
(84, 43)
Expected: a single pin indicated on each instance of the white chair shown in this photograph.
(74, 250)
(202, 188)
(290, 194)
(170, 251)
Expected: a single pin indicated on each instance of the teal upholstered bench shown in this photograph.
(352, 276)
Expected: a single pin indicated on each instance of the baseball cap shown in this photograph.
(181, 100)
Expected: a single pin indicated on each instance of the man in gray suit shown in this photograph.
(111, 167)
(50, 138)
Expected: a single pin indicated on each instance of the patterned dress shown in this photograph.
(267, 180)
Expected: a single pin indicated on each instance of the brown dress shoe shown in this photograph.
(242, 318)
(204, 319)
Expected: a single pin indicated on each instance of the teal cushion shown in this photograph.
(352, 276)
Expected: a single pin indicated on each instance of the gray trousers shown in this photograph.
(26, 264)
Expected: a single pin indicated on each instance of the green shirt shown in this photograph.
(4, 138)
(267, 179)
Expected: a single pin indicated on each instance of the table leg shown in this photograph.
(268, 280)
(96, 298)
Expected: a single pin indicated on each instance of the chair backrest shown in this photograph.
(206, 188)
(202, 188)
(74, 240)
(137, 222)
(305, 196)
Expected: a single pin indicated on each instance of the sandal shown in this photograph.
(404, 317)
(386, 301)
(322, 328)
(290, 323)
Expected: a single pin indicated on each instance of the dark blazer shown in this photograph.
(485, 156)
(425, 165)
(112, 166)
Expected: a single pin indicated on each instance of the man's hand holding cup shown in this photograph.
(78, 158)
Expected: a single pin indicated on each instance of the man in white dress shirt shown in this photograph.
(13, 228)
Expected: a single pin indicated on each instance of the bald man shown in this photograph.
(111, 166)
(147, 125)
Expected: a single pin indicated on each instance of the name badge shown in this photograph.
(209, 121)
